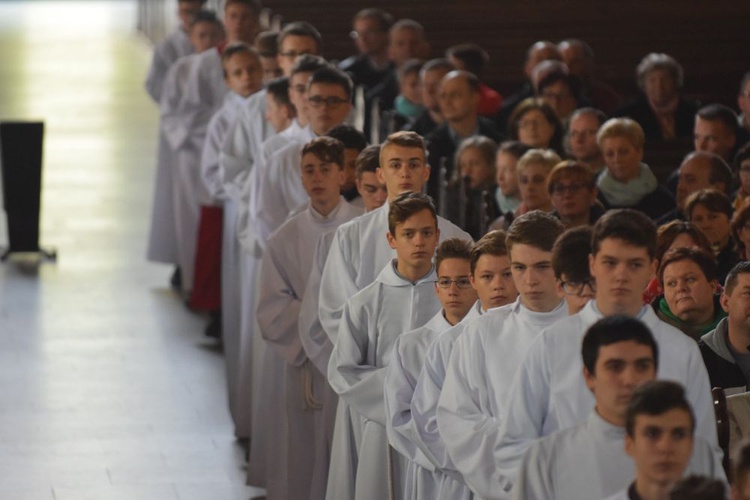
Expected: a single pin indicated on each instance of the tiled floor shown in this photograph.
(108, 389)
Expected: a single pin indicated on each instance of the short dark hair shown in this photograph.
(452, 248)
(206, 16)
(656, 397)
(712, 200)
(267, 43)
(611, 330)
(667, 233)
(409, 67)
(740, 218)
(308, 63)
(492, 243)
(570, 254)
(730, 283)
(719, 113)
(535, 103)
(384, 19)
(237, 48)
(301, 28)
(326, 149)
(536, 228)
(255, 5)
(700, 257)
(407, 204)
(349, 136)
(719, 169)
(698, 488)
(278, 89)
(368, 160)
(514, 148)
(332, 76)
(438, 63)
(474, 57)
(572, 81)
(631, 226)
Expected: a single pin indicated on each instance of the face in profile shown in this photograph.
(507, 174)
(205, 35)
(372, 191)
(474, 167)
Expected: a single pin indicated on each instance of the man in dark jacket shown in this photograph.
(726, 350)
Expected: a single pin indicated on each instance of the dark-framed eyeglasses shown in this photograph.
(572, 287)
(333, 101)
(461, 283)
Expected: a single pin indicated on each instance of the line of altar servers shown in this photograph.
(373, 349)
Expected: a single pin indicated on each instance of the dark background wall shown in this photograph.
(711, 38)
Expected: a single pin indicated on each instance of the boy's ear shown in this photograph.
(391, 239)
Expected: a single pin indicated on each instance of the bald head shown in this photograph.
(702, 170)
(459, 96)
(538, 52)
(578, 56)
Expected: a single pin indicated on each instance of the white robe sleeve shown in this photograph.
(338, 282)
(470, 433)
(314, 340)
(360, 384)
(527, 408)
(424, 405)
(211, 172)
(398, 390)
(277, 196)
(176, 124)
(533, 481)
(278, 309)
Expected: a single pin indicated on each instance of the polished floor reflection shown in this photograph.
(108, 389)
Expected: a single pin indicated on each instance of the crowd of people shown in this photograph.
(495, 298)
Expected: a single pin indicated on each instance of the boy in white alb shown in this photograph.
(492, 279)
(660, 438)
(173, 46)
(588, 461)
(285, 269)
(549, 393)
(487, 355)
(453, 288)
(401, 299)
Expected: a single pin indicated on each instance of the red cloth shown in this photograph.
(489, 101)
(652, 291)
(206, 294)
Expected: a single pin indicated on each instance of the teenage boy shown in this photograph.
(549, 393)
(329, 93)
(457, 296)
(358, 250)
(570, 262)
(175, 133)
(488, 354)
(491, 277)
(371, 190)
(242, 148)
(401, 299)
(172, 47)
(285, 269)
(661, 439)
(588, 461)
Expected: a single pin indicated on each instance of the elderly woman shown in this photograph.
(535, 124)
(711, 211)
(660, 109)
(627, 182)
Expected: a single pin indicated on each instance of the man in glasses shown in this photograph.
(370, 35)
(580, 141)
(572, 191)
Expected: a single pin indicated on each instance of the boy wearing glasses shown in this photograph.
(491, 278)
(549, 394)
(487, 355)
(457, 296)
